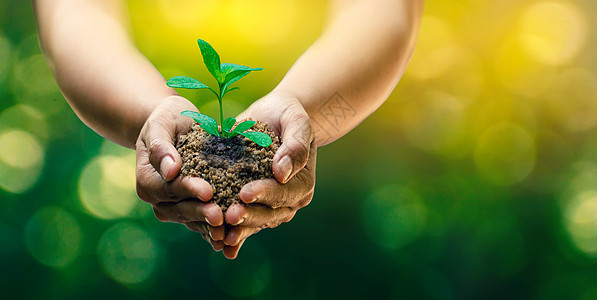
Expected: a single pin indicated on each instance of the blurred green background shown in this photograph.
(477, 179)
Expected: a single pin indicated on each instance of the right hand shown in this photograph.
(174, 198)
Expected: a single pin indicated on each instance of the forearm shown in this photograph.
(355, 64)
(108, 83)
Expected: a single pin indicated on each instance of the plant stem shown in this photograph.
(221, 112)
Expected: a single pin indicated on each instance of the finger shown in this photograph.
(260, 216)
(217, 233)
(189, 211)
(297, 192)
(231, 252)
(152, 188)
(238, 234)
(297, 137)
(159, 137)
(200, 227)
(216, 245)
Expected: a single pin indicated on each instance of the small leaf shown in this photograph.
(228, 90)
(206, 122)
(244, 126)
(230, 71)
(259, 138)
(185, 83)
(227, 125)
(239, 75)
(210, 58)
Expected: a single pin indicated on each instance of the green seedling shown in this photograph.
(225, 74)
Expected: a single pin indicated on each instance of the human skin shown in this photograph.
(346, 74)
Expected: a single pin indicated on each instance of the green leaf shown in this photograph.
(227, 125)
(230, 89)
(244, 126)
(206, 122)
(259, 138)
(230, 71)
(239, 75)
(234, 73)
(210, 58)
(185, 83)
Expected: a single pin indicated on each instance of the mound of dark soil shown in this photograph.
(226, 163)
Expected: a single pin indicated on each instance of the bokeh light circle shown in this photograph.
(520, 72)
(26, 118)
(107, 186)
(394, 216)
(21, 160)
(53, 237)
(247, 275)
(34, 85)
(553, 32)
(436, 123)
(265, 21)
(436, 50)
(505, 154)
(581, 221)
(127, 253)
(20, 149)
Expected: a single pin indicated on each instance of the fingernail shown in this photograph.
(254, 198)
(166, 165)
(285, 165)
(241, 221)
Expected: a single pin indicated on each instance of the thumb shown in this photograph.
(297, 138)
(159, 141)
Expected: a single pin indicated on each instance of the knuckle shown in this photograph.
(169, 191)
(159, 215)
(276, 203)
(288, 218)
(156, 146)
(142, 188)
(306, 200)
(299, 148)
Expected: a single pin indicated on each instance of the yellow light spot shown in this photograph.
(187, 14)
(21, 160)
(248, 275)
(521, 73)
(505, 154)
(20, 149)
(553, 32)
(581, 221)
(107, 186)
(127, 253)
(394, 216)
(262, 20)
(436, 50)
(53, 237)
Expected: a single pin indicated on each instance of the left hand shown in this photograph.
(270, 202)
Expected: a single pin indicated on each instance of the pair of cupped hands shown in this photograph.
(266, 203)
